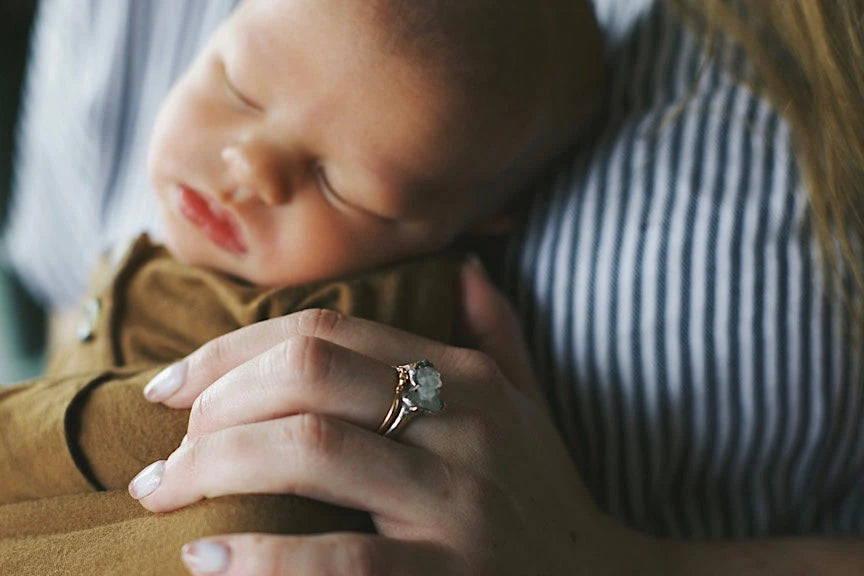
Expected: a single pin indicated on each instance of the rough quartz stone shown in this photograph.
(425, 393)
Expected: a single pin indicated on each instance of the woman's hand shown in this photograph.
(291, 406)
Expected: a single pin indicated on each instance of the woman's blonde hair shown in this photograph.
(808, 56)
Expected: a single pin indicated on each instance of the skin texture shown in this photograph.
(486, 488)
(295, 125)
(298, 129)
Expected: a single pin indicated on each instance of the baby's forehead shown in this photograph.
(373, 93)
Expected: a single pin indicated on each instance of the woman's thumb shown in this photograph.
(489, 324)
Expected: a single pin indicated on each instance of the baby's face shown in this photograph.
(294, 149)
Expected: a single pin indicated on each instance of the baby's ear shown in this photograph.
(494, 225)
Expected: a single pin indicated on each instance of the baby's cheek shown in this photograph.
(187, 246)
(162, 153)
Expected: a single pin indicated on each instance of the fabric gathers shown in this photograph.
(71, 442)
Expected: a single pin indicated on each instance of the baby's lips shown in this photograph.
(216, 221)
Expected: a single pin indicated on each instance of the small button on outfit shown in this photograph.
(89, 318)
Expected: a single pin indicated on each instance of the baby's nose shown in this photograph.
(254, 173)
(239, 195)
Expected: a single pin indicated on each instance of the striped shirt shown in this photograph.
(692, 346)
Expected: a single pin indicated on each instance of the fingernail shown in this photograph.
(206, 556)
(147, 481)
(184, 440)
(166, 383)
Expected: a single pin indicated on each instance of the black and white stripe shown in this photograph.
(689, 336)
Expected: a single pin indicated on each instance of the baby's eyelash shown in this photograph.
(324, 183)
(338, 199)
(235, 93)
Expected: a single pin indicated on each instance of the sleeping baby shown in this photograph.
(318, 154)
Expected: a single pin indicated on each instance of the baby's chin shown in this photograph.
(192, 253)
(200, 255)
(268, 269)
(188, 246)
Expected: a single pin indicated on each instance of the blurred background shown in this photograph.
(22, 322)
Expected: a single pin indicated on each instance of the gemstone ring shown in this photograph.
(418, 391)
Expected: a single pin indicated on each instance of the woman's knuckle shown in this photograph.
(475, 366)
(259, 544)
(316, 438)
(201, 414)
(261, 555)
(189, 458)
(447, 480)
(480, 495)
(486, 370)
(215, 353)
(482, 429)
(307, 359)
(359, 557)
(274, 554)
(318, 322)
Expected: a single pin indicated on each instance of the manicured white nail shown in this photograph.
(206, 556)
(184, 440)
(147, 481)
(166, 383)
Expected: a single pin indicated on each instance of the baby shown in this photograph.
(310, 141)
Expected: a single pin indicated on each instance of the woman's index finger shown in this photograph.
(221, 355)
(214, 359)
